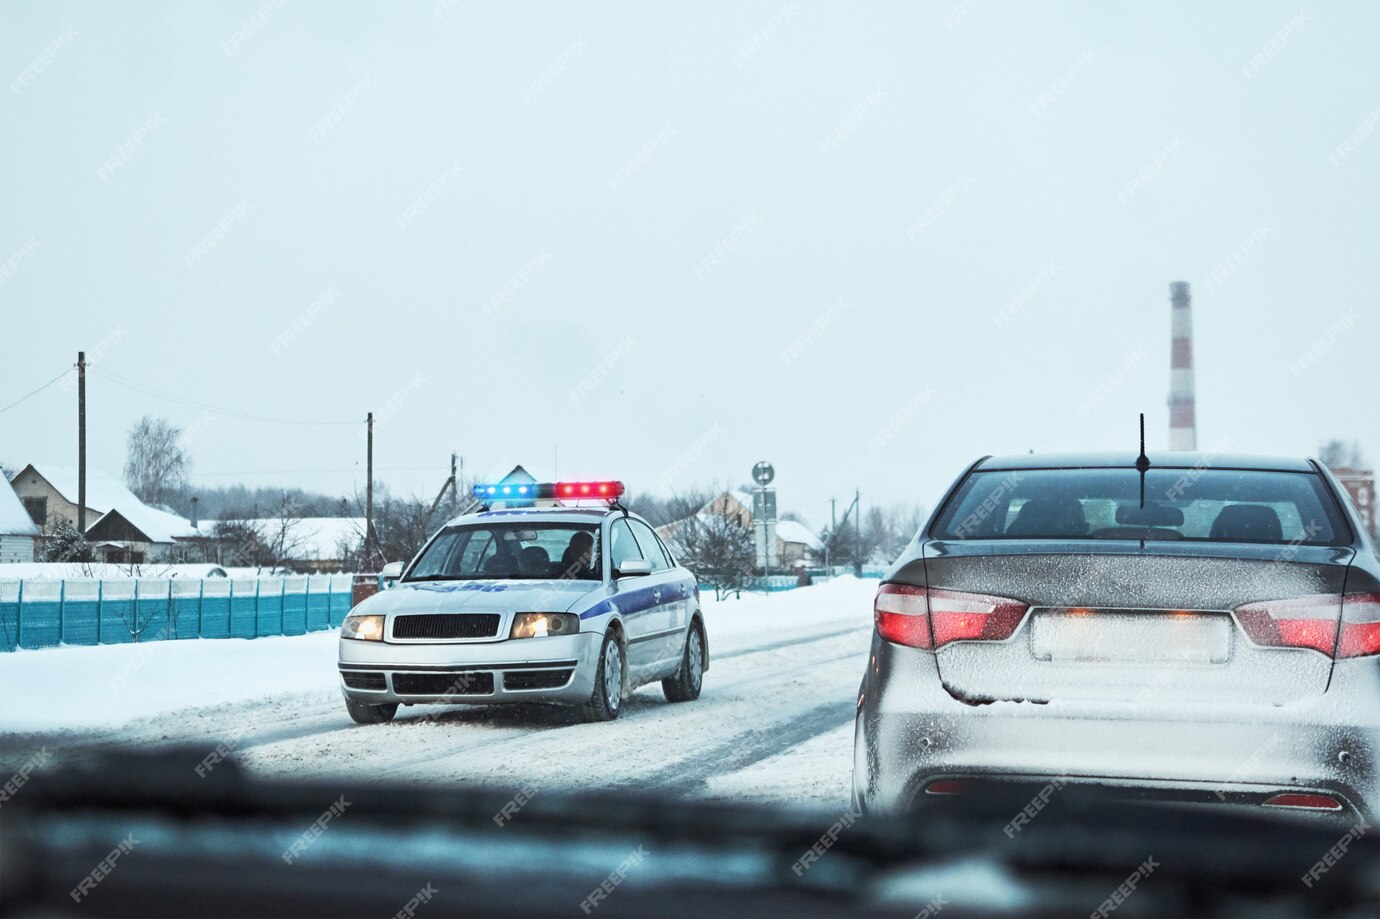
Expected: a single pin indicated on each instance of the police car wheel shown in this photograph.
(685, 685)
(364, 713)
(606, 701)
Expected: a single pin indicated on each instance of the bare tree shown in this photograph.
(282, 533)
(1338, 453)
(156, 469)
(720, 550)
(238, 542)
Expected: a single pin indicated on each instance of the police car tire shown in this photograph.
(364, 713)
(681, 688)
(598, 708)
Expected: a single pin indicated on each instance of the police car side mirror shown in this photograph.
(390, 574)
(634, 567)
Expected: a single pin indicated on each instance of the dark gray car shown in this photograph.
(1206, 630)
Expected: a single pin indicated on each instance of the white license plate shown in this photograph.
(1150, 637)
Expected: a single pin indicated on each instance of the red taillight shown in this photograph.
(1312, 622)
(932, 617)
(947, 787)
(902, 615)
(1360, 626)
(1303, 622)
(1304, 802)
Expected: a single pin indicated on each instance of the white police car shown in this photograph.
(528, 600)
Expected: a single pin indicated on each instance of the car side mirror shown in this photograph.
(390, 574)
(634, 567)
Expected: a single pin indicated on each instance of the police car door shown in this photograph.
(672, 614)
(638, 599)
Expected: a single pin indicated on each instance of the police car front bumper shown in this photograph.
(552, 669)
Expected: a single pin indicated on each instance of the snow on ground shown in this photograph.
(774, 722)
(816, 773)
(108, 686)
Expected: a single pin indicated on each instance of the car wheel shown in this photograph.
(364, 713)
(606, 702)
(685, 685)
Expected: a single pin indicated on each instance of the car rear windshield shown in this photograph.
(511, 550)
(1210, 505)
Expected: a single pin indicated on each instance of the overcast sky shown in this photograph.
(866, 243)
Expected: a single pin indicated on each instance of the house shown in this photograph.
(796, 543)
(310, 545)
(794, 540)
(121, 528)
(18, 532)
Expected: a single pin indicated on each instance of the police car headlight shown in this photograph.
(365, 628)
(540, 625)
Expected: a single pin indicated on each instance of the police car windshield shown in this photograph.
(527, 550)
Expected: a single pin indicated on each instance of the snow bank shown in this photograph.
(108, 686)
(844, 599)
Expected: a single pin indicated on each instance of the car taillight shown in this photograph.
(930, 617)
(1303, 622)
(903, 615)
(1360, 625)
(1311, 622)
(1303, 802)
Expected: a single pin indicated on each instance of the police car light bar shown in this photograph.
(518, 492)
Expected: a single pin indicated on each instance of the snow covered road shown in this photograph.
(774, 721)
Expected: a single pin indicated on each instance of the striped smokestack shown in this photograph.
(1183, 429)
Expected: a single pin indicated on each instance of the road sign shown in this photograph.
(763, 473)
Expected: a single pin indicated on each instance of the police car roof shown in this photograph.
(542, 514)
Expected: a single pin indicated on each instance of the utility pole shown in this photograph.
(81, 442)
(857, 543)
(369, 495)
(447, 486)
(833, 530)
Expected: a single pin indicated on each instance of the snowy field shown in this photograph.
(774, 721)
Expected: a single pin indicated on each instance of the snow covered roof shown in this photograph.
(14, 519)
(795, 531)
(158, 526)
(105, 493)
(70, 571)
(103, 490)
(312, 538)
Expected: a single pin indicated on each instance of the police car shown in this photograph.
(550, 592)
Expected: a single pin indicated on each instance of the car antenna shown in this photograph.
(1142, 461)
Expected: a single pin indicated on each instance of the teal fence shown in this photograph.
(45, 614)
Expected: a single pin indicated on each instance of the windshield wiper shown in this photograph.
(447, 577)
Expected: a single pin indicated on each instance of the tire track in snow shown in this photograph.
(686, 777)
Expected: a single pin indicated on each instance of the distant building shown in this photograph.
(311, 545)
(18, 532)
(794, 541)
(1360, 484)
(121, 528)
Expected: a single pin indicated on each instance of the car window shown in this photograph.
(511, 550)
(1210, 505)
(622, 546)
(651, 546)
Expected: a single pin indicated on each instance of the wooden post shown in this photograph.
(81, 443)
(369, 494)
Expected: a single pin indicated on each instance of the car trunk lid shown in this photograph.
(1139, 622)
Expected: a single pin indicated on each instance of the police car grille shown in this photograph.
(362, 680)
(443, 684)
(536, 679)
(444, 625)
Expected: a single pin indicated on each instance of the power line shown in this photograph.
(36, 391)
(437, 468)
(214, 409)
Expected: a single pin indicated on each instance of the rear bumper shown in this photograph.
(554, 669)
(910, 731)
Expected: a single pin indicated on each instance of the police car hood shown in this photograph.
(489, 596)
